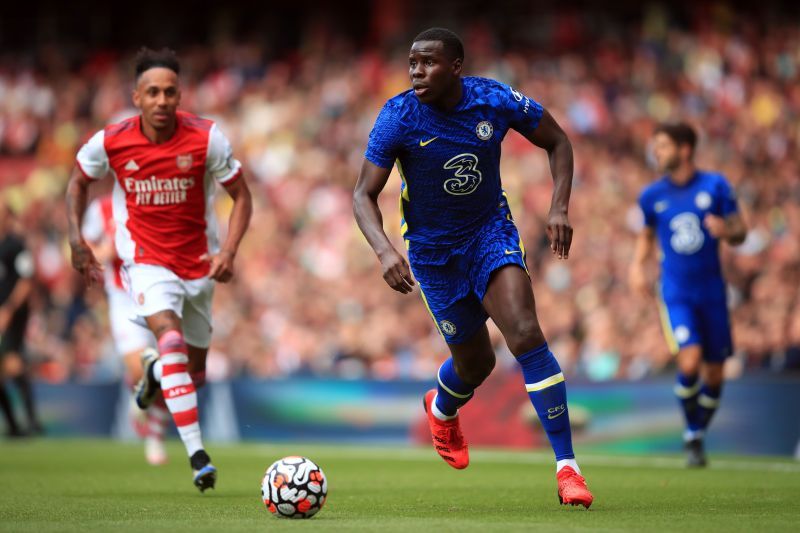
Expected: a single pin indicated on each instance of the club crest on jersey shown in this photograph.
(702, 200)
(484, 130)
(448, 328)
(184, 162)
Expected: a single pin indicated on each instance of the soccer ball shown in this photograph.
(294, 487)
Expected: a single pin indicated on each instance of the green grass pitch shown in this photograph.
(96, 485)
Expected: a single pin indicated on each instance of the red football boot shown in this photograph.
(447, 437)
(572, 488)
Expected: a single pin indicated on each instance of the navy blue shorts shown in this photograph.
(697, 318)
(453, 281)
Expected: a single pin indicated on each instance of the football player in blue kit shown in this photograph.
(689, 211)
(463, 247)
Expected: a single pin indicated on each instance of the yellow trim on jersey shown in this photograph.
(522, 249)
(521, 245)
(548, 382)
(431, 312)
(666, 326)
(403, 196)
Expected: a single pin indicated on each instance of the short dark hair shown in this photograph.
(146, 59)
(452, 43)
(679, 132)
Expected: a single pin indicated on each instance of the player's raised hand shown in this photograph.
(396, 271)
(221, 266)
(84, 261)
(559, 231)
(716, 226)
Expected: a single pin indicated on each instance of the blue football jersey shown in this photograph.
(690, 255)
(449, 161)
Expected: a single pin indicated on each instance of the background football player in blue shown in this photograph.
(689, 211)
(463, 247)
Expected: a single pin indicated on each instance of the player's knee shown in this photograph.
(13, 365)
(689, 359)
(198, 378)
(713, 376)
(525, 335)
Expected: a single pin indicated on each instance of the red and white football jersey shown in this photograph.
(162, 199)
(98, 225)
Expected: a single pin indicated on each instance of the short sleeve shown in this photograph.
(726, 198)
(384, 142)
(92, 158)
(220, 162)
(92, 228)
(523, 113)
(648, 210)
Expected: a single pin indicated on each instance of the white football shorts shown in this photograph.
(155, 288)
(128, 336)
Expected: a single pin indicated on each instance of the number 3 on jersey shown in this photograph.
(468, 177)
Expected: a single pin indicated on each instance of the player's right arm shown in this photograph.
(371, 182)
(637, 273)
(92, 164)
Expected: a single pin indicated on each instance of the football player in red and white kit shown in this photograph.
(165, 164)
(130, 339)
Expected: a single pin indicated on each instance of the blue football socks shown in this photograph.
(544, 382)
(707, 403)
(687, 390)
(452, 392)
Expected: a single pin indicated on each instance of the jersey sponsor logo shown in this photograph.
(159, 191)
(468, 177)
(184, 162)
(555, 412)
(426, 143)
(702, 200)
(131, 165)
(447, 327)
(484, 130)
(518, 96)
(687, 235)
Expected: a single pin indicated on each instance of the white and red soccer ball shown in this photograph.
(294, 487)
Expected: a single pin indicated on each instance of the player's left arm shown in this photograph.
(730, 229)
(23, 264)
(221, 164)
(726, 223)
(549, 136)
(222, 263)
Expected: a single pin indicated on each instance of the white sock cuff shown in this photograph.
(438, 414)
(561, 463)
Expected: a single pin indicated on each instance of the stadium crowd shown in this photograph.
(308, 297)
